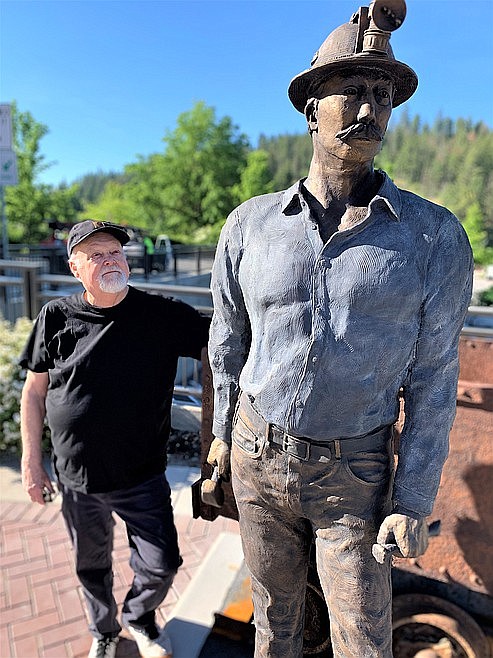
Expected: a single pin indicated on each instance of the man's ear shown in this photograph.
(73, 267)
(311, 114)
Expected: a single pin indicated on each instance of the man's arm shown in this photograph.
(192, 329)
(34, 476)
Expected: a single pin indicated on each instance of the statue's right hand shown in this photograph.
(409, 533)
(219, 455)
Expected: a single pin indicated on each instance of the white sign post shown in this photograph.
(5, 126)
(8, 167)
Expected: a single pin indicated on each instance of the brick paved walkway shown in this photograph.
(41, 604)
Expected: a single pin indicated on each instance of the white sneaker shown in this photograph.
(157, 647)
(105, 648)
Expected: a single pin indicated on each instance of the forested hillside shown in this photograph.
(207, 167)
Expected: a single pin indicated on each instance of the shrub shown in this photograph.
(485, 297)
(12, 378)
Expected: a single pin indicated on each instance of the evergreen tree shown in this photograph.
(478, 237)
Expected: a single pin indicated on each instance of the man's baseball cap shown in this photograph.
(83, 230)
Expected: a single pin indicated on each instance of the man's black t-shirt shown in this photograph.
(111, 377)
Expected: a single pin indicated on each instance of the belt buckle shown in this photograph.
(289, 441)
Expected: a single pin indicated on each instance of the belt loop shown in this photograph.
(337, 446)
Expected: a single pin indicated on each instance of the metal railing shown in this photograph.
(25, 287)
(479, 322)
(180, 259)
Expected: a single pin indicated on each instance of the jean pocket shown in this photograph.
(248, 441)
(370, 468)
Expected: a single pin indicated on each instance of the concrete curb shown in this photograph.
(193, 616)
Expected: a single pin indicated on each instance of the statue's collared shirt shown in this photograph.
(323, 336)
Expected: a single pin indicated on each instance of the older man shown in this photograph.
(101, 365)
(330, 298)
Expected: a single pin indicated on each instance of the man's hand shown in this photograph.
(409, 533)
(219, 456)
(34, 480)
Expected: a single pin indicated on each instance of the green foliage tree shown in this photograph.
(486, 297)
(91, 186)
(477, 234)
(207, 168)
(201, 165)
(255, 178)
(29, 206)
(289, 158)
(188, 190)
(115, 204)
(451, 164)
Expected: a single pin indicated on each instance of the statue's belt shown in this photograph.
(305, 448)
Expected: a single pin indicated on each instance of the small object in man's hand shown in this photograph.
(48, 496)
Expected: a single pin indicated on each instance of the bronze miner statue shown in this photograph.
(330, 299)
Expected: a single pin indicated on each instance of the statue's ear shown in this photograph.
(311, 114)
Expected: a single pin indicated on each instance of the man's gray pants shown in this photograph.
(154, 554)
(284, 502)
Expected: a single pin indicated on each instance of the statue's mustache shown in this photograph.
(365, 130)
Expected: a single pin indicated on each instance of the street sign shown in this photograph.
(5, 126)
(8, 167)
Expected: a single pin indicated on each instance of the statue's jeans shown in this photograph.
(283, 503)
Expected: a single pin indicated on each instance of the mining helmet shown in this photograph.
(363, 42)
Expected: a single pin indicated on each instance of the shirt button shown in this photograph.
(314, 359)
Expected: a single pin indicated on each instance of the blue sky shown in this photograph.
(110, 77)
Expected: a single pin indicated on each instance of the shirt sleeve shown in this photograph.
(230, 335)
(430, 391)
(35, 355)
(193, 330)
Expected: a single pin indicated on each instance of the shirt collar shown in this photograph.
(291, 199)
(388, 194)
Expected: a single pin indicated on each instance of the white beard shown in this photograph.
(113, 282)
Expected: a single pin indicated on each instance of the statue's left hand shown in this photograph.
(409, 533)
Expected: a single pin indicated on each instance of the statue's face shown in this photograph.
(350, 114)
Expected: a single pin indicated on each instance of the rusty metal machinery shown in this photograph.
(457, 568)
(428, 626)
(443, 601)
